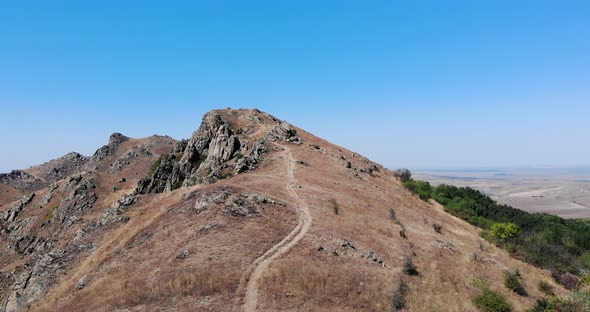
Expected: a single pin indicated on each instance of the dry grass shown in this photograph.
(135, 290)
(323, 285)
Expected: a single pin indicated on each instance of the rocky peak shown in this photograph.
(117, 138)
(21, 180)
(223, 145)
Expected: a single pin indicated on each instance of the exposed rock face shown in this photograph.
(114, 141)
(216, 150)
(11, 214)
(31, 283)
(115, 212)
(64, 166)
(81, 198)
(21, 180)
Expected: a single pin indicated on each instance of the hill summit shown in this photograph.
(248, 214)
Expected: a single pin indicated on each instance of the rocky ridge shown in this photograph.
(217, 150)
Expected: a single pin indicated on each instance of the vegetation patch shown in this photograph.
(409, 268)
(512, 282)
(154, 167)
(489, 300)
(334, 206)
(398, 300)
(543, 240)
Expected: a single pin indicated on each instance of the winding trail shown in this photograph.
(262, 263)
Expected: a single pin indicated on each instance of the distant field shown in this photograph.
(562, 192)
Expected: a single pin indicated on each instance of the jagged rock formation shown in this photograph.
(21, 180)
(218, 149)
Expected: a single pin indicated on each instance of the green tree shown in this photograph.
(505, 231)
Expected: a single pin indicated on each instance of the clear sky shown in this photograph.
(420, 84)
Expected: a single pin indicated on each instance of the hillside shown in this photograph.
(249, 214)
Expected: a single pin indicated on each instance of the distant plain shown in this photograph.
(560, 191)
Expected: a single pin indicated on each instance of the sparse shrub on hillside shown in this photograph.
(409, 268)
(542, 305)
(489, 300)
(403, 174)
(398, 300)
(437, 228)
(545, 288)
(492, 301)
(402, 233)
(512, 282)
(392, 214)
(334, 206)
(567, 280)
(578, 301)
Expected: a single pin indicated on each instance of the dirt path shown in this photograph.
(262, 263)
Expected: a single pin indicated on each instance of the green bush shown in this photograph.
(504, 231)
(421, 188)
(512, 282)
(546, 288)
(491, 301)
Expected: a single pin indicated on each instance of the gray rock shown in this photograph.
(183, 254)
(21, 180)
(115, 213)
(82, 282)
(11, 214)
(347, 244)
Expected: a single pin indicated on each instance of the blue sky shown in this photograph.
(420, 84)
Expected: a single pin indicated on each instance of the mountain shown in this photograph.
(249, 214)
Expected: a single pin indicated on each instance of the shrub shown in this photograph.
(512, 282)
(569, 281)
(403, 174)
(546, 288)
(421, 188)
(437, 228)
(392, 215)
(504, 231)
(542, 305)
(398, 300)
(334, 206)
(491, 301)
(409, 268)
(402, 233)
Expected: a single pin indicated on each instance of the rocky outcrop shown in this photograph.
(283, 132)
(63, 167)
(215, 151)
(11, 214)
(114, 141)
(127, 158)
(33, 282)
(81, 198)
(21, 180)
(115, 213)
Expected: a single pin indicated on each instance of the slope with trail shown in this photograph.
(242, 240)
